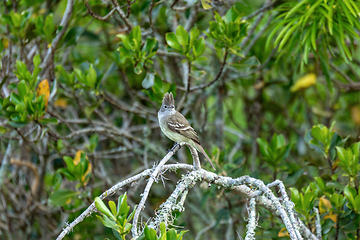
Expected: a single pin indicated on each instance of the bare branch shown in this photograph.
(214, 80)
(252, 223)
(64, 24)
(86, 2)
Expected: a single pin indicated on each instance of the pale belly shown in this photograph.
(176, 137)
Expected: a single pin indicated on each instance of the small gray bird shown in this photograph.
(175, 126)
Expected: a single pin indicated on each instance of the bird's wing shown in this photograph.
(179, 124)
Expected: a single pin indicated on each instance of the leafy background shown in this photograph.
(270, 86)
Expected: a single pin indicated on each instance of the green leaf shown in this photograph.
(22, 89)
(150, 47)
(150, 233)
(172, 41)
(294, 9)
(15, 98)
(62, 197)
(148, 81)
(194, 35)
(313, 35)
(113, 207)
(264, 147)
(100, 205)
(67, 174)
(91, 77)
(350, 194)
(199, 47)
(90, 109)
(135, 37)
(69, 163)
(47, 121)
(36, 60)
(182, 36)
(49, 27)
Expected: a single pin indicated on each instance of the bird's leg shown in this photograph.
(174, 147)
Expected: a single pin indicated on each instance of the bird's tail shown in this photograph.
(201, 149)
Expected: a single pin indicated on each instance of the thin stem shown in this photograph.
(217, 76)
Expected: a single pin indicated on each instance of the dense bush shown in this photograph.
(271, 87)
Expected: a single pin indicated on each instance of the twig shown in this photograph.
(32, 167)
(195, 156)
(214, 80)
(146, 192)
(64, 24)
(257, 36)
(317, 223)
(187, 80)
(5, 164)
(344, 75)
(263, 9)
(289, 206)
(253, 27)
(173, 4)
(122, 15)
(252, 223)
(150, 15)
(86, 2)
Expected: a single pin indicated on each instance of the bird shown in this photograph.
(176, 127)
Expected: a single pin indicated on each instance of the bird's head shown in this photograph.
(168, 103)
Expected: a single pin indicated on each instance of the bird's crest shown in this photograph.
(168, 99)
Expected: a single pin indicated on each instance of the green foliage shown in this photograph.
(77, 171)
(228, 31)
(243, 117)
(159, 88)
(131, 47)
(323, 138)
(349, 160)
(187, 44)
(353, 197)
(150, 234)
(24, 106)
(275, 152)
(89, 78)
(315, 27)
(116, 218)
(304, 202)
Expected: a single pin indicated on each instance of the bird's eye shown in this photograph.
(165, 106)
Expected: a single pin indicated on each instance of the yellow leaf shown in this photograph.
(355, 114)
(76, 161)
(307, 81)
(206, 4)
(332, 216)
(61, 103)
(44, 89)
(5, 42)
(324, 205)
(283, 233)
(77, 157)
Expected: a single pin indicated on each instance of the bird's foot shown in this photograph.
(174, 147)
